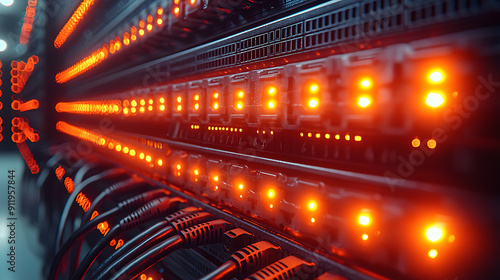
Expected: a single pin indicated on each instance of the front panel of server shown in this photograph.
(249, 139)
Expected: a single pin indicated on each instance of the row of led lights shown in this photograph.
(311, 95)
(337, 136)
(434, 233)
(114, 46)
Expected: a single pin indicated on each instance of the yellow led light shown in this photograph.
(142, 102)
(241, 94)
(434, 99)
(271, 90)
(357, 138)
(337, 136)
(133, 103)
(318, 135)
(364, 237)
(364, 220)
(142, 109)
(327, 136)
(179, 107)
(133, 110)
(366, 83)
(271, 193)
(148, 158)
(196, 172)
(364, 102)
(314, 88)
(178, 166)
(313, 103)
(240, 186)
(432, 253)
(162, 100)
(197, 97)
(196, 106)
(160, 162)
(216, 178)
(271, 104)
(436, 76)
(132, 153)
(141, 155)
(415, 142)
(239, 105)
(179, 99)
(216, 106)
(125, 150)
(312, 205)
(431, 143)
(434, 234)
(347, 137)
(118, 147)
(216, 95)
(162, 107)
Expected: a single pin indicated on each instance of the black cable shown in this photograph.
(126, 185)
(77, 235)
(202, 234)
(245, 261)
(152, 210)
(126, 206)
(132, 243)
(227, 270)
(166, 232)
(67, 207)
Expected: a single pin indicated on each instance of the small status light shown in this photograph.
(239, 105)
(240, 186)
(364, 102)
(179, 99)
(271, 90)
(312, 205)
(160, 162)
(125, 150)
(216, 106)
(271, 105)
(432, 253)
(434, 234)
(271, 206)
(179, 108)
(364, 236)
(313, 103)
(196, 172)
(434, 99)
(313, 220)
(436, 76)
(364, 220)
(216, 178)
(314, 88)
(357, 138)
(337, 136)
(159, 21)
(118, 147)
(132, 153)
(162, 100)
(327, 136)
(347, 137)
(431, 143)
(141, 155)
(162, 107)
(133, 103)
(366, 83)
(143, 277)
(415, 143)
(148, 158)
(176, 10)
(241, 94)
(150, 278)
(271, 193)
